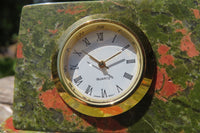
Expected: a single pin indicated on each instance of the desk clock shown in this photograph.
(103, 65)
(108, 66)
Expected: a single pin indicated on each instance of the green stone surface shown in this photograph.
(172, 105)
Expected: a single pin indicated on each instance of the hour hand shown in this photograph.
(94, 59)
(101, 64)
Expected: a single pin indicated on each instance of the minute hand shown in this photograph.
(113, 56)
(124, 48)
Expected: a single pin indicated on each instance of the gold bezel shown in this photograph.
(129, 99)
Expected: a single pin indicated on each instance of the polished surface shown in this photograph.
(87, 93)
(171, 105)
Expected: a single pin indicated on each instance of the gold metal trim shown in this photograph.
(136, 91)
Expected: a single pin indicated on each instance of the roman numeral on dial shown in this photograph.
(124, 48)
(114, 38)
(77, 53)
(100, 36)
(103, 93)
(78, 80)
(128, 76)
(74, 67)
(89, 90)
(119, 89)
(86, 41)
(130, 61)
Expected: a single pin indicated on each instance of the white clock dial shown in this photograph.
(102, 66)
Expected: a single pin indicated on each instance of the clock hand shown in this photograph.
(101, 64)
(116, 63)
(103, 70)
(124, 48)
(113, 56)
(94, 66)
(94, 59)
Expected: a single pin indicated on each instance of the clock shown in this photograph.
(108, 66)
(102, 65)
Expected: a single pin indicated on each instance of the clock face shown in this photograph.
(101, 63)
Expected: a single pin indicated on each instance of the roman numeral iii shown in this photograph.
(128, 76)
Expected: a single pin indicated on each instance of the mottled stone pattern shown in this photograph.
(172, 105)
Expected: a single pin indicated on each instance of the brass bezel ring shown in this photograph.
(137, 90)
